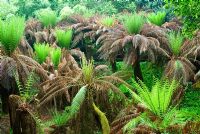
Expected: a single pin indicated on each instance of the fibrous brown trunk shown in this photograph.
(21, 120)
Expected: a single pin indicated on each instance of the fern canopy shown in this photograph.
(64, 38)
(55, 56)
(158, 99)
(157, 18)
(107, 21)
(42, 51)
(134, 23)
(47, 17)
(175, 41)
(11, 32)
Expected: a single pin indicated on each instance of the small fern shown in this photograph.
(107, 21)
(25, 90)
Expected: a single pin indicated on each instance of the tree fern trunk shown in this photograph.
(114, 66)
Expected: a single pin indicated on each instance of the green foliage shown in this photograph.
(65, 12)
(28, 8)
(11, 32)
(42, 51)
(108, 21)
(7, 9)
(189, 11)
(87, 69)
(25, 91)
(158, 99)
(47, 17)
(157, 18)
(55, 56)
(134, 23)
(103, 119)
(64, 38)
(175, 41)
(60, 119)
(77, 101)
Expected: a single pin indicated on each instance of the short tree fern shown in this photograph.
(55, 56)
(64, 38)
(42, 51)
(157, 18)
(134, 23)
(11, 32)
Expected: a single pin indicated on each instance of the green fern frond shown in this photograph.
(134, 23)
(157, 18)
(108, 21)
(47, 17)
(87, 69)
(77, 101)
(11, 32)
(103, 119)
(42, 51)
(64, 38)
(175, 42)
(55, 56)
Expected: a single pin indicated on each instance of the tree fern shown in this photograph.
(157, 18)
(47, 17)
(11, 32)
(55, 56)
(42, 51)
(175, 42)
(134, 23)
(87, 69)
(64, 38)
(107, 21)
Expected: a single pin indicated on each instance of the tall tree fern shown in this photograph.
(11, 32)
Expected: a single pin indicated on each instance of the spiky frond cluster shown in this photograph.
(157, 18)
(55, 56)
(134, 23)
(64, 38)
(11, 32)
(47, 17)
(175, 42)
(107, 21)
(42, 51)
(158, 99)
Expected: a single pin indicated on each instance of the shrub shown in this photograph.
(11, 32)
(65, 12)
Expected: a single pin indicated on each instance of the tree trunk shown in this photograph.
(4, 99)
(114, 66)
(137, 71)
(21, 120)
(14, 102)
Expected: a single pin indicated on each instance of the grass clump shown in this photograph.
(64, 38)
(42, 51)
(157, 18)
(55, 56)
(175, 41)
(134, 23)
(47, 17)
(11, 32)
